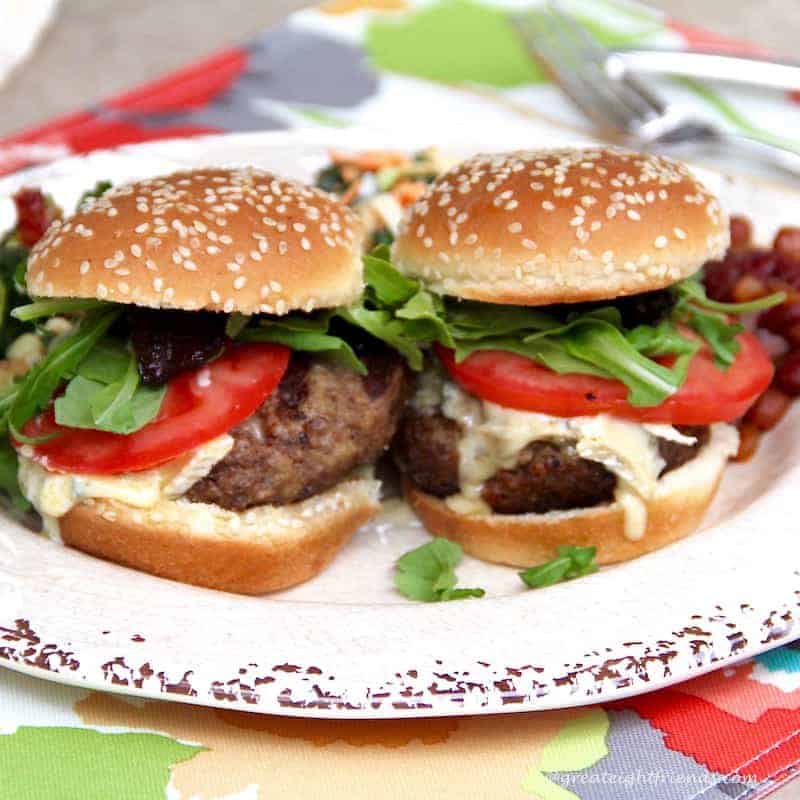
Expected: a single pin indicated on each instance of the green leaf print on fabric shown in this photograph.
(578, 745)
(458, 41)
(80, 764)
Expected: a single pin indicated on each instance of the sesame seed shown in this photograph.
(660, 242)
(84, 268)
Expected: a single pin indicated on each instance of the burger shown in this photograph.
(584, 392)
(202, 402)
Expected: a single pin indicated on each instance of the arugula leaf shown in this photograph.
(708, 317)
(662, 340)
(100, 188)
(56, 307)
(423, 312)
(428, 573)
(718, 332)
(571, 562)
(600, 343)
(692, 289)
(471, 320)
(389, 286)
(9, 476)
(235, 324)
(384, 326)
(107, 362)
(107, 393)
(334, 347)
(550, 353)
(34, 392)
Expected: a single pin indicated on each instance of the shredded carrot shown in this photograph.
(408, 192)
(352, 192)
(371, 160)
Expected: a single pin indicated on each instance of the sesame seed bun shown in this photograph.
(560, 226)
(523, 540)
(249, 552)
(217, 239)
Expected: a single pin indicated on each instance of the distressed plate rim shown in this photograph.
(41, 636)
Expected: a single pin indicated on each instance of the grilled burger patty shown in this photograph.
(547, 477)
(321, 422)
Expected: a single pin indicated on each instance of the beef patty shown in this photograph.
(548, 476)
(321, 422)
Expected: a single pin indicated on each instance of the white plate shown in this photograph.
(345, 644)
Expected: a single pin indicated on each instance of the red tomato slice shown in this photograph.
(708, 395)
(199, 406)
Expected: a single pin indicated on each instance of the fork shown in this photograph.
(599, 85)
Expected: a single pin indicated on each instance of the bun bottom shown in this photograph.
(239, 552)
(521, 540)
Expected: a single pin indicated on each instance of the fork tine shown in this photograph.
(559, 62)
(637, 94)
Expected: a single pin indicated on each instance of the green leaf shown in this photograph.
(600, 343)
(548, 352)
(389, 285)
(41, 381)
(20, 276)
(571, 562)
(460, 594)
(107, 404)
(107, 362)
(9, 476)
(73, 408)
(472, 320)
(330, 180)
(100, 188)
(235, 324)
(57, 307)
(428, 573)
(719, 333)
(693, 290)
(333, 347)
(384, 326)
(424, 319)
(101, 397)
(547, 574)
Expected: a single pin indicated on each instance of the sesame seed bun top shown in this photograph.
(218, 239)
(560, 226)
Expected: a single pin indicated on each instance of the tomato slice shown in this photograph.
(708, 395)
(198, 406)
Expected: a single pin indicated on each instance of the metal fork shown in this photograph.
(598, 83)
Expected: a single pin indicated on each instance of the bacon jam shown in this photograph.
(747, 273)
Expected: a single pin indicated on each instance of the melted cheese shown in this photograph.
(53, 494)
(493, 437)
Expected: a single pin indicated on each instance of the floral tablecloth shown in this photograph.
(441, 66)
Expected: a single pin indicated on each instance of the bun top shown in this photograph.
(560, 226)
(218, 239)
